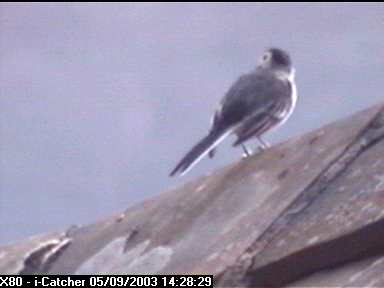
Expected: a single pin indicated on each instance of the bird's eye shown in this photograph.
(266, 57)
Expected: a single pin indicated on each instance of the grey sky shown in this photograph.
(99, 101)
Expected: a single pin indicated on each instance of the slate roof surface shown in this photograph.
(306, 212)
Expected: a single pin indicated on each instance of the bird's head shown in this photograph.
(277, 60)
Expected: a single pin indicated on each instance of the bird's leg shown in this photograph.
(247, 152)
(263, 144)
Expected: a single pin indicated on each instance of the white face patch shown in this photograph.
(265, 60)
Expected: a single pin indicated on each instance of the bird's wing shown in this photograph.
(257, 124)
(268, 102)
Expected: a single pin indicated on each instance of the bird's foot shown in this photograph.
(263, 144)
(246, 151)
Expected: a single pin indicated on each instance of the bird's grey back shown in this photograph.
(251, 92)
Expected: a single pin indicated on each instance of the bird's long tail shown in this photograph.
(199, 151)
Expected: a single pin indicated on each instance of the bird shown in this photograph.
(257, 102)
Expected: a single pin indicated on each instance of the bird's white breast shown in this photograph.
(290, 78)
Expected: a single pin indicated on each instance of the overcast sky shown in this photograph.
(99, 101)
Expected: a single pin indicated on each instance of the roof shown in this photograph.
(309, 210)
